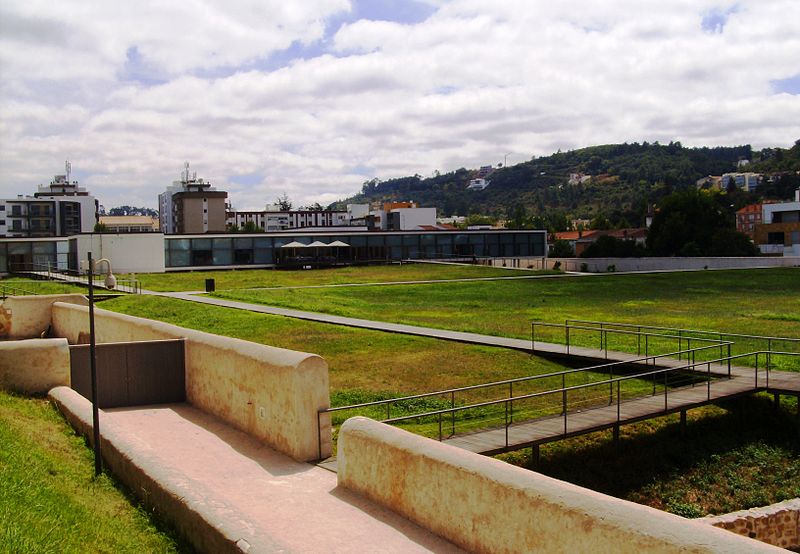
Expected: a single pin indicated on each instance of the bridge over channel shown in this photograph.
(665, 371)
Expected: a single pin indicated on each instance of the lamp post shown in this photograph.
(110, 282)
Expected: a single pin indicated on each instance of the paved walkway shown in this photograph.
(257, 498)
(472, 338)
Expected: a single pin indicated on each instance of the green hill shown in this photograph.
(625, 178)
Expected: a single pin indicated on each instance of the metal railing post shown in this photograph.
(729, 360)
(506, 403)
(618, 401)
(453, 407)
(566, 330)
(708, 396)
(665, 391)
(511, 396)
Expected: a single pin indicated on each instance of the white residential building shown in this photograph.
(59, 209)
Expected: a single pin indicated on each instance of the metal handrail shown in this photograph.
(611, 382)
(680, 330)
(514, 380)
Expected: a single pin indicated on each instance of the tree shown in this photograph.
(612, 247)
(132, 210)
(250, 227)
(728, 242)
(561, 249)
(283, 202)
(686, 223)
(233, 229)
(100, 228)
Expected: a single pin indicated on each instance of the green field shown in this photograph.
(257, 278)
(17, 286)
(50, 501)
(739, 301)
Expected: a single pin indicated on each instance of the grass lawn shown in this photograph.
(737, 301)
(358, 359)
(50, 501)
(17, 285)
(255, 278)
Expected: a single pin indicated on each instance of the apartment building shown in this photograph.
(59, 209)
(191, 205)
(779, 232)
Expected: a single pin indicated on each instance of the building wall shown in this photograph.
(778, 524)
(128, 253)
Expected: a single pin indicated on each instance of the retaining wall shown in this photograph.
(485, 505)
(34, 366)
(778, 524)
(271, 393)
(27, 317)
(601, 265)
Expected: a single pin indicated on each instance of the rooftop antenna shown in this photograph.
(68, 169)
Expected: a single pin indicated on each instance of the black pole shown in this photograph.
(98, 464)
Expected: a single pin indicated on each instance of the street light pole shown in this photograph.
(98, 464)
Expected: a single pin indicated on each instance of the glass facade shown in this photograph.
(292, 250)
(284, 250)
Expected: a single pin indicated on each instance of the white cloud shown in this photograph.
(128, 91)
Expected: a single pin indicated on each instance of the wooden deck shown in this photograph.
(549, 429)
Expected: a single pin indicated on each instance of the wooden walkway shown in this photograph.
(539, 431)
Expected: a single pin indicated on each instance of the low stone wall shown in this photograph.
(602, 265)
(27, 317)
(778, 524)
(34, 366)
(485, 505)
(271, 393)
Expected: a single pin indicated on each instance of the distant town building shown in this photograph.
(745, 181)
(485, 171)
(191, 205)
(273, 219)
(779, 232)
(477, 184)
(580, 224)
(747, 218)
(130, 223)
(59, 209)
(711, 182)
(580, 240)
(578, 178)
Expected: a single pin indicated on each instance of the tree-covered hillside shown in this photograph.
(625, 178)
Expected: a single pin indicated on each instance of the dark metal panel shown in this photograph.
(132, 373)
(156, 373)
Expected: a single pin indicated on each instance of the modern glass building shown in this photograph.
(294, 249)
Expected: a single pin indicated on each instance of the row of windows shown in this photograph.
(186, 252)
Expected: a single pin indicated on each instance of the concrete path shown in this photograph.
(227, 491)
(472, 338)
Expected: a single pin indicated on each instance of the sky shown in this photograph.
(312, 98)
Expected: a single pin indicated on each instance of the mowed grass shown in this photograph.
(50, 501)
(763, 302)
(20, 286)
(739, 455)
(257, 278)
(358, 359)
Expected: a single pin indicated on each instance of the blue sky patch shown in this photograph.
(246, 179)
(714, 21)
(137, 69)
(790, 85)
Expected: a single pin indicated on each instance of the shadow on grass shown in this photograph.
(741, 454)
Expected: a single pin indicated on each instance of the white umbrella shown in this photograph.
(318, 244)
(338, 243)
(294, 244)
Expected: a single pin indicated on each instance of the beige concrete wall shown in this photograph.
(27, 317)
(127, 252)
(272, 393)
(778, 524)
(34, 366)
(485, 505)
